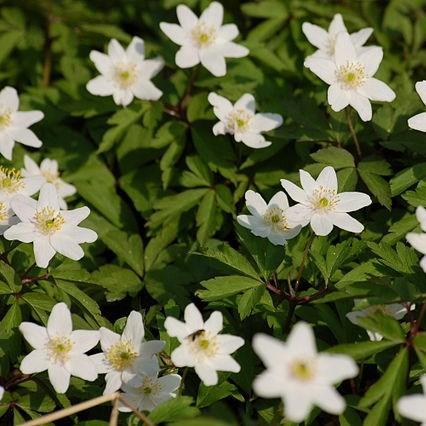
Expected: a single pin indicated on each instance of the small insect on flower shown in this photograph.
(49, 173)
(298, 374)
(201, 345)
(414, 406)
(14, 124)
(50, 229)
(125, 74)
(241, 120)
(325, 41)
(204, 39)
(350, 76)
(268, 220)
(59, 350)
(145, 390)
(418, 122)
(121, 353)
(321, 205)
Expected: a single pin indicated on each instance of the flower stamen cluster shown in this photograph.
(324, 199)
(10, 179)
(5, 119)
(48, 221)
(351, 75)
(126, 75)
(203, 35)
(121, 355)
(58, 349)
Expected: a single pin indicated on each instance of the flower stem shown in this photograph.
(303, 263)
(353, 133)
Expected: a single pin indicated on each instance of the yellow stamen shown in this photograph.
(59, 348)
(48, 221)
(10, 180)
(121, 355)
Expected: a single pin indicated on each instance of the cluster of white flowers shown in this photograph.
(318, 204)
(128, 362)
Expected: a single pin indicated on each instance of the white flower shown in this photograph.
(12, 183)
(242, 121)
(1, 392)
(202, 347)
(325, 41)
(268, 220)
(395, 310)
(50, 229)
(14, 124)
(49, 172)
(321, 205)
(125, 73)
(59, 350)
(418, 122)
(146, 390)
(121, 353)
(350, 76)
(418, 241)
(204, 39)
(300, 375)
(414, 406)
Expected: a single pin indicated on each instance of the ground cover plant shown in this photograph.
(212, 213)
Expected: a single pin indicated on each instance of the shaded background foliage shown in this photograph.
(164, 193)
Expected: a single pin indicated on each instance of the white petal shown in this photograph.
(233, 50)
(6, 146)
(100, 86)
(76, 216)
(26, 137)
(362, 105)
(344, 50)
(122, 96)
(270, 350)
(255, 203)
(34, 334)
(328, 178)
(181, 357)
(151, 67)
(225, 363)
(371, 59)
(222, 106)
(213, 61)
(59, 322)
(84, 340)
(421, 90)
(302, 340)
(337, 98)
(65, 189)
(247, 102)
(9, 98)
(116, 51)
(214, 324)
(421, 217)
(174, 32)
(27, 118)
(255, 223)
(297, 406)
(100, 362)
(423, 263)
(169, 383)
(279, 200)
(346, 222)
(108, 338)
(325, 69)
(335, 367)
(48, 197)
(268, 385)
(78, 235)
(136, 49)
(134, 330)
(102, 62)
(308, 182)
(413, 407)
(351, 201)
(81, 366)
(321, 224)
(316, 35)
(299, 215)
(24, 232)
(228, 32)
(229, 343)
(176, 328)
(187, 57)
(254, 140)
(32, 184)
(296, 193)
(360, 37)
(418, 122)
(418, 241)
(330, 400)
(337, 25)
(186, 17)
(150, 348)
(59, 377)
(146, 90)
(193, 318)
(213, 14)
(35, 362)
(376, 90)
(113, 382)
(24, 207)
(207, 374)
(264, 122)
(66, 246)
(219, 128)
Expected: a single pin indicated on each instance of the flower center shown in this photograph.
(121, 355)
(238, 121)
(4, 212)
(203, 344)
(125, 75)
(58, 349)
(48, 220)
(351, 75)
(150, 387)
(5, 119)
(203, 35)
(302, 370)
(10, 180)
(324, 199)
(275, 218)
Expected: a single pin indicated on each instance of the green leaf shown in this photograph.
(207, 395)
(362, 350)
(336, 157)
(383, 324)
(174, 410)
(378, 186)
(206, 217)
